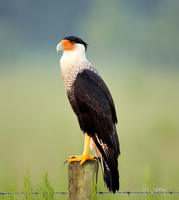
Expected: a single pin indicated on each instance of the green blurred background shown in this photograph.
(134, 45)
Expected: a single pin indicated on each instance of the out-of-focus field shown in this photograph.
(38, 128)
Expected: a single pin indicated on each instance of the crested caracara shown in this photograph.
(93, 105)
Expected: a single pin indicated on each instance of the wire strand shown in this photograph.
(101, 192)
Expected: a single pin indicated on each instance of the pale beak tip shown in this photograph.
(59, 47)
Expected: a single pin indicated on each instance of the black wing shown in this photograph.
(97, 117)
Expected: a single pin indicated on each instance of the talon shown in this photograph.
(65, 162)
(81, 158)
(85, 156)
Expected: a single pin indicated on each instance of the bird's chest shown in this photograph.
(69, 74)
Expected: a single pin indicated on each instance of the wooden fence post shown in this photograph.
(82, 180)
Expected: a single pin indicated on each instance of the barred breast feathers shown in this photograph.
(71, 67)
(69, 74)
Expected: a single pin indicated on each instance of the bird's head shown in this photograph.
(71, 43)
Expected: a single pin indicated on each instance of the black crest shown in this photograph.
(74, 39)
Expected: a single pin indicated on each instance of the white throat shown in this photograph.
(71, 58)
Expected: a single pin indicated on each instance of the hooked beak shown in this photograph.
(59, 47)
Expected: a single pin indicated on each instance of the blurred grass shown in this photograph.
(38, 128)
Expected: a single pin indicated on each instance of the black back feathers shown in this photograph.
(97, 117)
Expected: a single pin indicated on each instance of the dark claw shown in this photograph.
(95, 158)
(65, 162)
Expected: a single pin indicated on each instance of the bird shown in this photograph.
(94, 107)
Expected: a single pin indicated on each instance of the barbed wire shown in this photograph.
(101, 192)
(142, 192)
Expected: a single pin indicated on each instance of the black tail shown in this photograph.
(110, 176)
(108, 157)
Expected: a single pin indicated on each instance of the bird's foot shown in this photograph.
(81, 158)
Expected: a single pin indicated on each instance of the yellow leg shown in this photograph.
(85, 156)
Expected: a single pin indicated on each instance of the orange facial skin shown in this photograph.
(67, 45)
